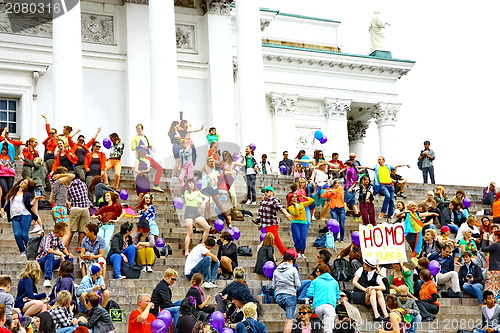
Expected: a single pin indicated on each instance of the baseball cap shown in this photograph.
(445, 228)
(267, 188)
(94, 269)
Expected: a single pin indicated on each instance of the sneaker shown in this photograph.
(158, 188)
(248, 202)
(381, 215)
(313, 218)
(213, 285)
(149, 269)
(458, 264)
(47, 284)
(303, 256)
(144, 269)
(254, 203)
(206, 285)
(402, 195)
(36, 229)
(119, 277)
(23, 254)
(357, 219)
(229, 225)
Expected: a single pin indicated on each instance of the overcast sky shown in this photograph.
(450, 95)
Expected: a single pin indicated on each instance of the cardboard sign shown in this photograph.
(385, 242)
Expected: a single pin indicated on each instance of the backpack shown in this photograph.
(342, 270)
(131, 271)
(32, 247)
(330, 240)
(236, 215)
(320, 241)
(115, 312)
(245, 251)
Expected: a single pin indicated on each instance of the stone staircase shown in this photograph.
(454, 313)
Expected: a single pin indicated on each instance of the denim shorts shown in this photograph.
(287, 303)
(349, 198)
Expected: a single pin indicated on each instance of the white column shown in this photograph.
(283, 109)
(138, 81)
(336, 126)
(385, 117)
(164, 81)
(221, 69)
(67, 69)
(356, 133)
(252, 106)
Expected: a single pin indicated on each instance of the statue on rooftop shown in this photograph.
(377, 37)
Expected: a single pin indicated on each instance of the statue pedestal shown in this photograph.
(381, 54)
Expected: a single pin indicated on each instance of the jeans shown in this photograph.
(474, 289)
(453, 228)
(299, 235)
(427, 309)
(21, 226)
(287, 303)
(49, 264)
(251, 194)
(388, 193)
(367, 211)
(67, 329)
(339, 215)
(208, 268)
(106, 232)
(326, 312)
(414, 324)
(302, 290)
(116, 259)
(428, 171)
(477, 330)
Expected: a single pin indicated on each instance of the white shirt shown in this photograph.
(460, 232)
(17, 207)
(490, 312)
(370, 275)
(194, 257)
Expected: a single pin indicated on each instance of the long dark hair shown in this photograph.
(96, 180)
(174, 124)
(46, 323)
(13, 191)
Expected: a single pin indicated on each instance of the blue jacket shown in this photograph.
(447, 264)
(256, 326)
(87, 284)
(325, 290)
(27, 288)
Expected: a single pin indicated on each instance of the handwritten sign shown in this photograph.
(385, 242)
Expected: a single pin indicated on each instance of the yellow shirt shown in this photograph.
(299, 213)
(384, 175)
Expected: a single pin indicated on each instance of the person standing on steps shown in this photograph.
(383, 185)
(427, 157)
(114, 160)
(142, 142)
(81, 149)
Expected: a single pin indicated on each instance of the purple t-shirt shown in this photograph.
(351, 176)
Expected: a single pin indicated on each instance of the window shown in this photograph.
(8, 114)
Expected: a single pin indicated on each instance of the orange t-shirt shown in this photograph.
(144, 327)
(336, 197)
(496, 209)
(428, 288)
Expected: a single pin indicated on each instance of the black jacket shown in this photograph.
(229, 250)
(162, 297)
(475, 270)
(117, 244)
(265, 254)
(27, 204)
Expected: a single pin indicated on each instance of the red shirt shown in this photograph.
(51, 142)
(144, 327)
(110, 212)
(29, 154)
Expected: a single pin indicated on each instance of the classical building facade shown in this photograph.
(259, 75)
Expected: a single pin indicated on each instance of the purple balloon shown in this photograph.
(166, 316)
(236, 233)
(283, 169)
(160, 242)
(333, 225)
(253, 146)
(230, 231)
(123, 194)
(262, 237)
(218, 225)
(323, 140)
(158, 326)
(217, 320)
(92, 211)
(355, 237)
(434, 267)
(199, 184)
(466, 202)
(106, 142)
(236, 156)
(226, 330)
(269, 268)
(179, 204)
(263, 230)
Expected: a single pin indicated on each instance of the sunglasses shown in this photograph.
(98, 146)
(343, 295)
(173, 279)
(304, 313)
(81, 140)
(52, 133)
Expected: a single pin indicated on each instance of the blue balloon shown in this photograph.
(304, 158)
(318, 135)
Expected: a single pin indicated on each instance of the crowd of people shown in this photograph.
(73, 177)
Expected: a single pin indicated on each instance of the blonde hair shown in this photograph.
(239, 273)
(196, 279)
(63, 299)
(32, 271)
(250, 310)
(268, 239)
(170, 272)
(433, 232)
(402, 289)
